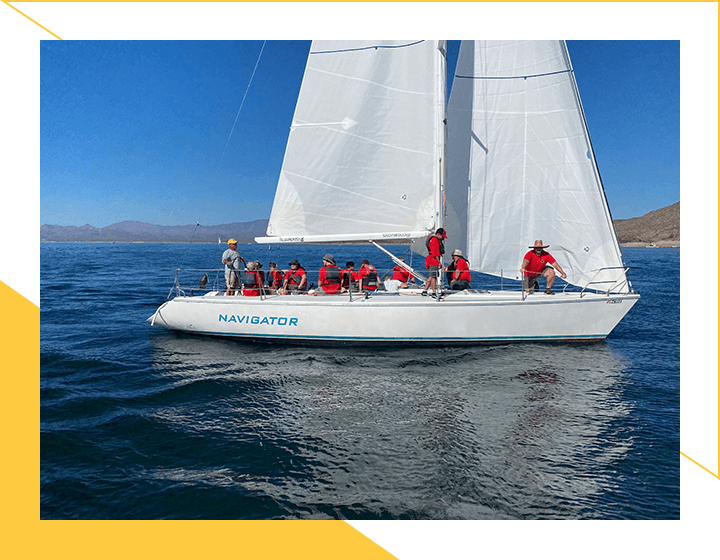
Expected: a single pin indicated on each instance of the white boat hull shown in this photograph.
(462, 318)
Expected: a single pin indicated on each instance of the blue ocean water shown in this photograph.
(139, 422)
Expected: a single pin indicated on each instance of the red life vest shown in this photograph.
(275, 280)
(369, 277)
(330, 281)
(251, 283)
(294, 279)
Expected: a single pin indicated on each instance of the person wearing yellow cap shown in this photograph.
(232, 261)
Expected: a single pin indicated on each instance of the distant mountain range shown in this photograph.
(244, 232)
(660, 227)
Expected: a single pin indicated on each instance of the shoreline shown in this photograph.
(657, 245)
(652, 245)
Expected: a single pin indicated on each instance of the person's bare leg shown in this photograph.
(550, 276)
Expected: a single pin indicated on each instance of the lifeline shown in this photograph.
(255, 320)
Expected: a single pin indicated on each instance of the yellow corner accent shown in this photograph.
(31, 19)
(699, 465)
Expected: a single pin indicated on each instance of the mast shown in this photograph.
(441, 120)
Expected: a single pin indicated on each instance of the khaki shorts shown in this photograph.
(433, 271)
(231, 279)
(530, 281)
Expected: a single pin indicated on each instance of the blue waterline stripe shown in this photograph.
(398, 339)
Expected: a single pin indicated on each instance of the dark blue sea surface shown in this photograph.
(139, 422)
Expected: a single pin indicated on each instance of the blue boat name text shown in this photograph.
(255, 320)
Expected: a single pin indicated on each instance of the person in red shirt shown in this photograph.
(436, 249)
(275, 278)
(348, 278)
(252, 280)
(295, 279)
(403, 275)
(367, 276)
(539, 262)
(460, 279)
(329, 278)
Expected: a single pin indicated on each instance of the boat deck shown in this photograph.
(405, 297)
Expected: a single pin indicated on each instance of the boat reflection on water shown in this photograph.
(518, 431)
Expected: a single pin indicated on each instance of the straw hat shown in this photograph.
(538, 245)
(457, 253)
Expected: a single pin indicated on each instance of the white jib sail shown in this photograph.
(362, 160)
(521, 167)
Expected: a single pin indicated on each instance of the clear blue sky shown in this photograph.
(137, 130)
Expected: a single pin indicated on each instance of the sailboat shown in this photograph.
(376, 155)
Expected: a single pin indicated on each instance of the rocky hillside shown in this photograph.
(659, 227)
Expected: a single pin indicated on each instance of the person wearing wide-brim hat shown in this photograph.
(295, 279)
(538, 262)
(459, 272)
(329, 277)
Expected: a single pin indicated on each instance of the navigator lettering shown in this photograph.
(255, 320)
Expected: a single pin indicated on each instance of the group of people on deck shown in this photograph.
(333, 280)
(535, 264)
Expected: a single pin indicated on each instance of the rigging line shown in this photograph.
(241, 105)
(230, 135)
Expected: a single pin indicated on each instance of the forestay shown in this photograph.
(364, 150)
(520, 164)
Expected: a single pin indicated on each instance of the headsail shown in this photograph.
(362, 160)
(520, 164)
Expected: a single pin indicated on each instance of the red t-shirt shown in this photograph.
(247, 280)
(294, 277)
(462, 266)
(399, 273)
(275, 279)
(347, 277)
(537, 263)
(434, 252)
(364, 272)
(329, 286)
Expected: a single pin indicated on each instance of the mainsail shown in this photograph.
(521, 167)
(365, 147)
